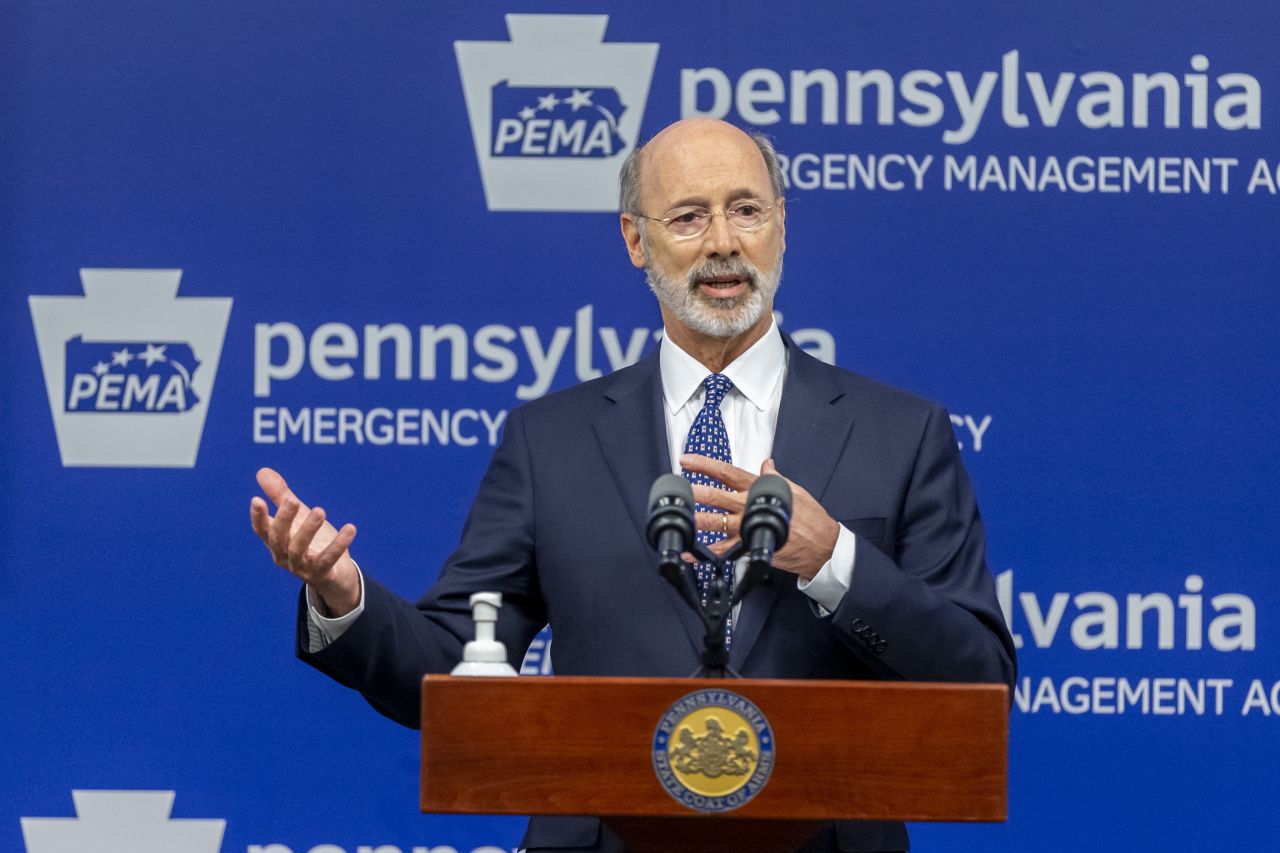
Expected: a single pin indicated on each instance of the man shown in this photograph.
(886, 547)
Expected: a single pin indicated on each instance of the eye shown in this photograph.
(688, 217)
(747, 209)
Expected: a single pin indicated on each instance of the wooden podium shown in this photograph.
(841, 751)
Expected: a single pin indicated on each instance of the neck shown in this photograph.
(715, 354)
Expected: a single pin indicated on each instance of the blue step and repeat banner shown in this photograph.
(346, 239)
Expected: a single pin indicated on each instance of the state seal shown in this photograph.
(713, 750)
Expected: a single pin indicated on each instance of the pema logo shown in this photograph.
(554, 111)
(560, 132)
(124, 377)
(122, 822)
(129, 368)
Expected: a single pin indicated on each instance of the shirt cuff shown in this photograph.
(323, 630)
(829, 586)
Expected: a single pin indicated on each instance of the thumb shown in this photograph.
(768, 467)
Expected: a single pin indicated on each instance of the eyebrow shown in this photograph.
(701, 201)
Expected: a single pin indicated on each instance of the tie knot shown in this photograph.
(717, 385)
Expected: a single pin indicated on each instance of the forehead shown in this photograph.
(705, 166)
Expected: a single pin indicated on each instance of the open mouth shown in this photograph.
(724, 286)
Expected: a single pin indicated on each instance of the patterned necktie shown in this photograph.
(707, 437)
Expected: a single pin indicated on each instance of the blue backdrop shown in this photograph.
(344, 239)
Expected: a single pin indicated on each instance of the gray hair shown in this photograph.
(629, 177)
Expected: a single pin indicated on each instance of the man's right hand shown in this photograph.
(302, 541)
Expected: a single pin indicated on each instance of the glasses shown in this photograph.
(685, 222)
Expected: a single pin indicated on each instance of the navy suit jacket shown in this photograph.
(558, 528)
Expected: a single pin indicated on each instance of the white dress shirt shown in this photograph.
(750, 414)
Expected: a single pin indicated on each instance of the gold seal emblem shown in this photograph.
(713, 750)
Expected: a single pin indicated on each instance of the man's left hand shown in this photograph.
(813, 532)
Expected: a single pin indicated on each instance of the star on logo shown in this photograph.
(580, 98)
(101, 368)
(153, 354)
(527, 113)
(548, 102)
(122, 357)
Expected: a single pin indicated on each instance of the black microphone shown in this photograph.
(670, 529)
(671, 532)
(766, 520)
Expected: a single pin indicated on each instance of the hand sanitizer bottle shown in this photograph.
(484, 655)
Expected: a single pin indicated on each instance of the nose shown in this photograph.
(721, 238)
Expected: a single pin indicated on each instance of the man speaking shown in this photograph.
(883, 575)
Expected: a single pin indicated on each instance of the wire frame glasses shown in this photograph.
(750, 214)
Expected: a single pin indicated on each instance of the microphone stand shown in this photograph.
(765, 524)
(715, 652)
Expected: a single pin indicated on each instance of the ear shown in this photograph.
(782, 222)
(631, 236)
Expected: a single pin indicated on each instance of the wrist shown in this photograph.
(339, 595)
(826, 550)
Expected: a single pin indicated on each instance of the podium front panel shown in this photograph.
(837, 750)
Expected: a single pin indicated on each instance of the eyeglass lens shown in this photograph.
(745, 215)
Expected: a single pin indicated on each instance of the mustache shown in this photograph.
(716, 267)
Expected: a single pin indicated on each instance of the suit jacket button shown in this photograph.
(858, 625)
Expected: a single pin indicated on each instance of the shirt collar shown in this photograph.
(755, 373)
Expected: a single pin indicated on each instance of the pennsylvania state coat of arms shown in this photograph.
(713, 750)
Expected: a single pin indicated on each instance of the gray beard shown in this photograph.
(711, 316)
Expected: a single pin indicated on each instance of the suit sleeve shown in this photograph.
(393, 643)
(930, 612)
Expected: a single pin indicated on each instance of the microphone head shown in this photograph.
(768, 511)
(672, 487)
(671, 525)
(770, 486)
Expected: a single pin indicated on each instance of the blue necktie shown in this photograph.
(707, 437)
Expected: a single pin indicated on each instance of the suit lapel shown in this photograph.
(633, 437)
(814, 423)
(755, 609)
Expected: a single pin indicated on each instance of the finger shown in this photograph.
(259, 518)
(688, 557)
(274, 486)
(731, 475)
(300, 542)
(770, 468)
(711, 496)
(336, 548)
(717, 522)
(278, 535)
(722, 547)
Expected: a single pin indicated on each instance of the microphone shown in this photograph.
(671, 532)
(670, 529)
(766, 520)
